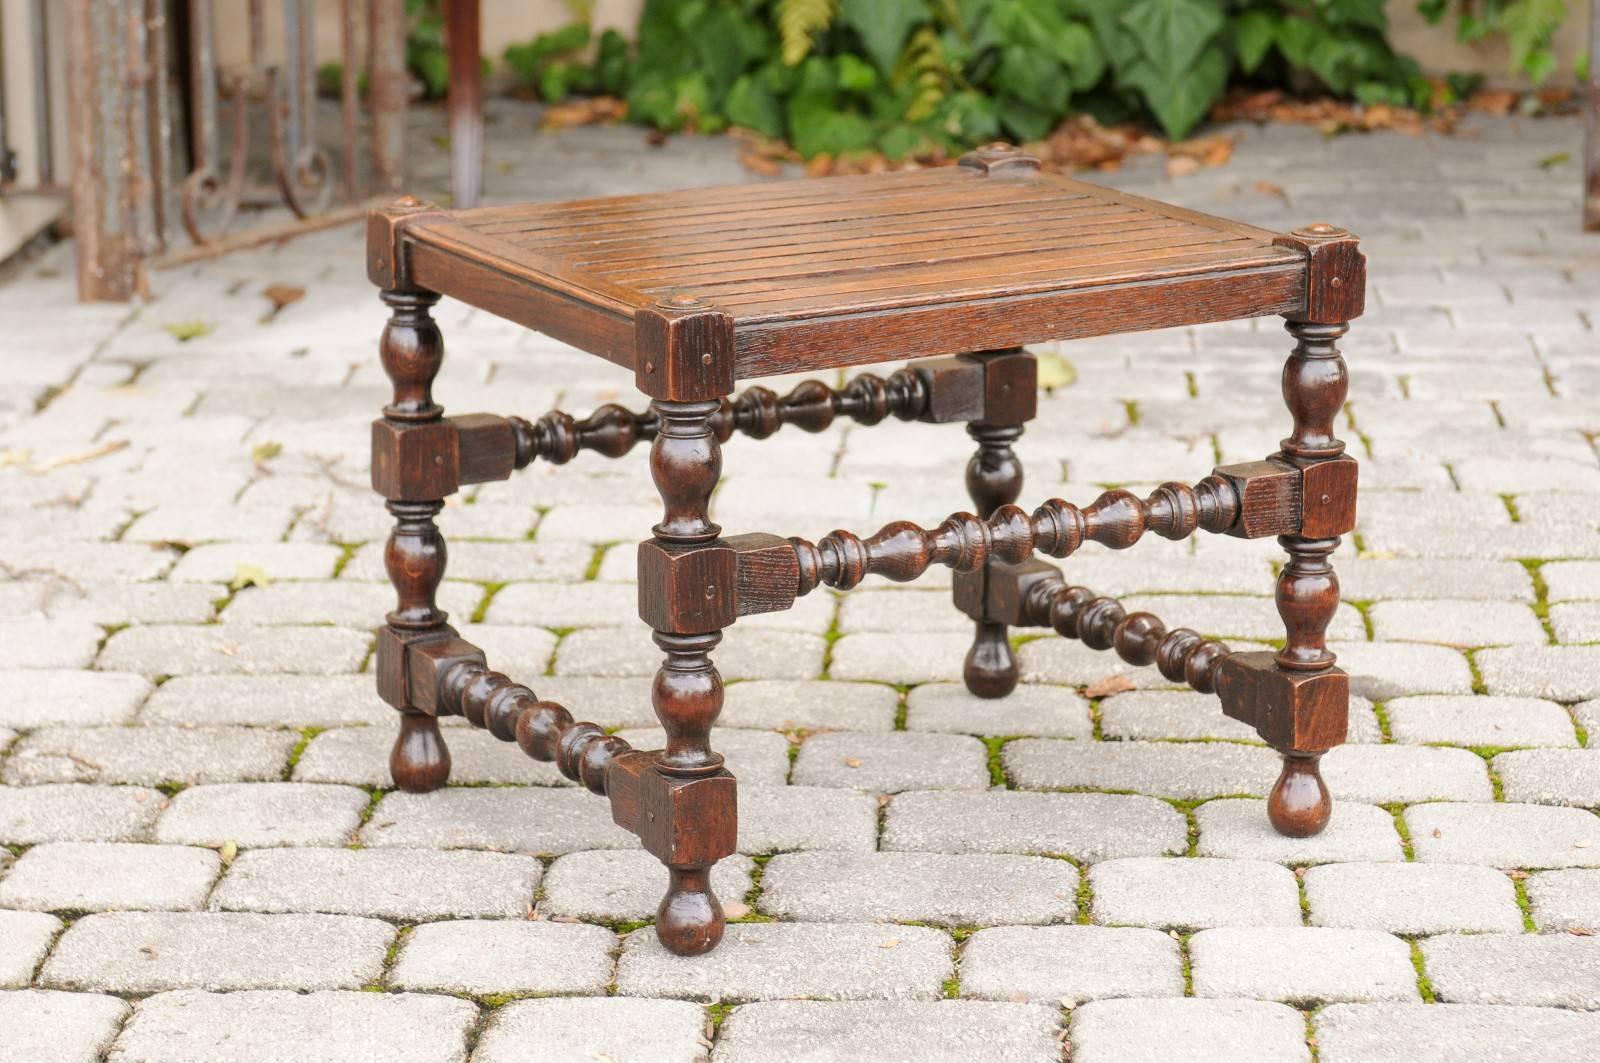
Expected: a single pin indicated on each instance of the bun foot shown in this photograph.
(991, 669)
(420, 761)
(1299, 805)
(689, 920)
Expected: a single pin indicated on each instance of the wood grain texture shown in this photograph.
(821, 273)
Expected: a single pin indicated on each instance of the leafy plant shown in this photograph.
(909, 77)
(1529, 26)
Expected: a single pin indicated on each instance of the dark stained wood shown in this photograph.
(411, 351)
(817, 273)
(465, 100)
(693, 290)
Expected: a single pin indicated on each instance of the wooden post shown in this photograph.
(391, 89)
(99, 40)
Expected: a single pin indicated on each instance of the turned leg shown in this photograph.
(994, 479)
(1314, 387)
(412, 351)
(686, 593)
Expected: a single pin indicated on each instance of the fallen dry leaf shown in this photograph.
(1111, 684)
(281, 295)
(1267, 188)
(589, 110)
(892, 943)
(735, 909)
(78, 457)
(851, 762)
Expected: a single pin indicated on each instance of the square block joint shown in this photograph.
(1307, 712)
(415, 462)
(691, 821)
(1328, 507)
(688, 590)
(1269, 498)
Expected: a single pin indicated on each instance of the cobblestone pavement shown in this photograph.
(202, 861)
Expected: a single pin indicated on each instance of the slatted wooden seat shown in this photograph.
(958, 267)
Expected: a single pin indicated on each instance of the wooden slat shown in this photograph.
(775, 347)
(862, 272)
(557, 218)
(863, 252)
(821, 215)
(905, 285)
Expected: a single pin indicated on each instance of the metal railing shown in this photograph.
(137, 173)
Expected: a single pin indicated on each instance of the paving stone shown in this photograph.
(1380, 774)
(1545, 970)
(588, 604)
(77, 813)
(1186, 714)
(889, 763)
(766, 961)
(269, 1026)
(1194, 892)
(24, 939)
(151, 952)
(757, 758)
(96, 877)
(137, 603)
(939, 888)
(1302, 964)
(39, 698)
(790, 818)
(610, 702)
(339, 602)
(267, 701)
(1576, 621)
(219, 562)
(384, 883)
(1503, 835)
(1237, 828)
(495, 956)
(1480, 721)
(1550, 776)
(254, 815)
(900, 610)
(1381, 579)
(927, 658)
(1391, 669)
(59, 1027)
(1229, 616)
(1454, 1033)
(1561, 673)
(944, 1031)
(622, 885)
(1085, 827)
(239, 649)
(1565, 580)
(744, 654)
(1068, 965)
(1070, 663)
(813, 705)
(149, 755)
(359, 756)
(1565, 900)
(48, 644)
(542, 820)
(210, 523)
(606, 1028)
(86, 563)
(1412, 898)
(1056, 712)
(1458, 622)
(1209, 1031)
(521, 651)
(1182, 770)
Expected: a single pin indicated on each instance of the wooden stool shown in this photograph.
(696, 290)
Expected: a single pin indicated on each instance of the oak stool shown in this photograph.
(959, 266)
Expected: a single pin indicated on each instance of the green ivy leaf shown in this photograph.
(1296, 38)
(1529, 25)
(817, 126)
(1172, 34)
(750, 103)
(1025, 121)
(883, 26)
(856, 75)
(1367, 14)
(1179, 103)
(1254, 33)
(1034, 77)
